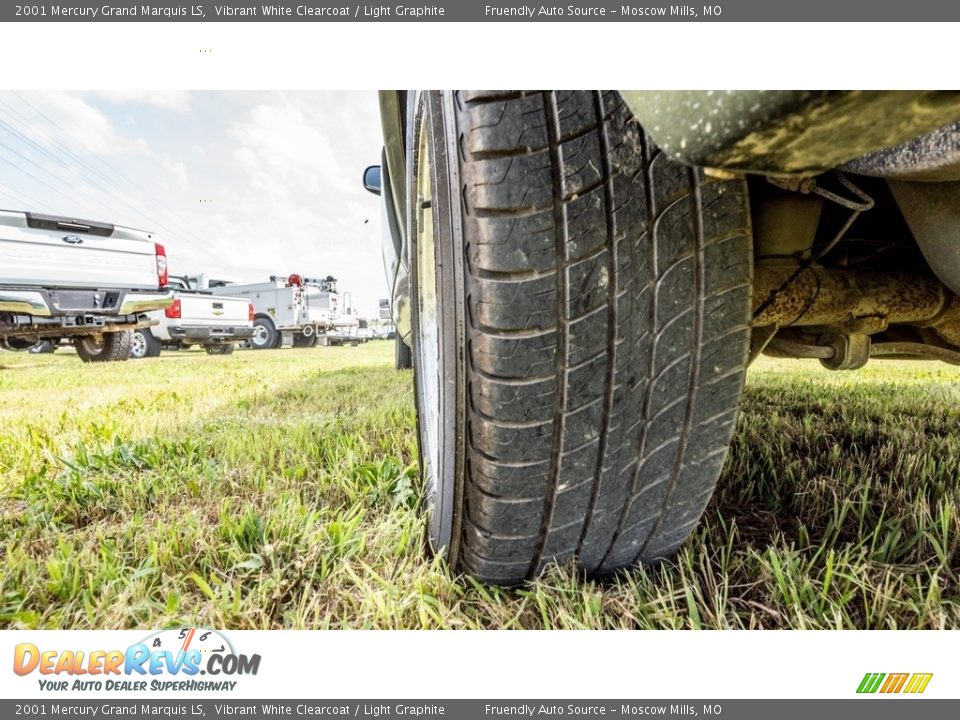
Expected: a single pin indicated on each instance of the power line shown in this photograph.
(185, 232)
(79, 142)
(32, 143)
(35, 178)
(76, 158)
(89, 197)
(12, 194)
(139, 209)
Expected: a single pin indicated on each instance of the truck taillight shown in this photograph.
(250, 312)
(173, 311)
(162, 275)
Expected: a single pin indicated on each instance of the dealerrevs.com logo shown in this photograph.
(168, 660)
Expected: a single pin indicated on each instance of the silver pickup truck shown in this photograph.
(88, 282)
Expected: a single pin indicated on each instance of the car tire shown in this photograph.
(304, 341)
(222, 349)
(144, 344)
(581, 309)
(403, 357)
(265, 335)
(111, 347)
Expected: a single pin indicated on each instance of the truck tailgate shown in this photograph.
(197, 308)
(48, 252)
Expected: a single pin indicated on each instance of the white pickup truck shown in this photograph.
(196, 317)
(88, 282)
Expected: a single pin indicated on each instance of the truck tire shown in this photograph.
(44, 347)
(144, 344)
(112, 347)
(302, 341)
(265, 335)
(222, 349)
(402, 357)
(581, 309)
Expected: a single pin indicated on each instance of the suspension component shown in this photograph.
(835, 358)
(847, 298)
(839, 308)
(845, 306)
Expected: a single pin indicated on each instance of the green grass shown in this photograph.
(279, 490)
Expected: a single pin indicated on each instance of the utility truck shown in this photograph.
(288, 310)
(196, 317)
(91, 283)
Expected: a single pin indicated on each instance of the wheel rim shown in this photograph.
(92, 346)
(138, 345)
(428, 336)
(260, 335)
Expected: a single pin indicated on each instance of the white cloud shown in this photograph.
(282, 152)
(177, 169)
(73, 122)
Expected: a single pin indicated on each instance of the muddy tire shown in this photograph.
(222, 349)
(144, 344)
(581, 309)
(265, 335)
(112, 347)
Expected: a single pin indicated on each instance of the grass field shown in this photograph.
(279, 490)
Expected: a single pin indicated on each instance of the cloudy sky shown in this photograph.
(249, 184)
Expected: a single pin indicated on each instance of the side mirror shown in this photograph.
(371, 179)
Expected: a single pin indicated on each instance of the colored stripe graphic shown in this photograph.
(870, 682)
(918, 682)
(893, 683)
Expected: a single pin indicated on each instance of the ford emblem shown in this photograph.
(72, 239)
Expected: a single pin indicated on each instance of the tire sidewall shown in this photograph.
(114, 347)
(443, 475)
(44, 347)
(271, 334)
(88, 350)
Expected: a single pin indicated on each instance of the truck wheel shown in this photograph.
(265, 335)
(580, 315)
(44, 346)
(112, 346)
(224, 349)
(144, 344)
(302, 341)
(402, 357)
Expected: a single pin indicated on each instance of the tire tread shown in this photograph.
(608, 300)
